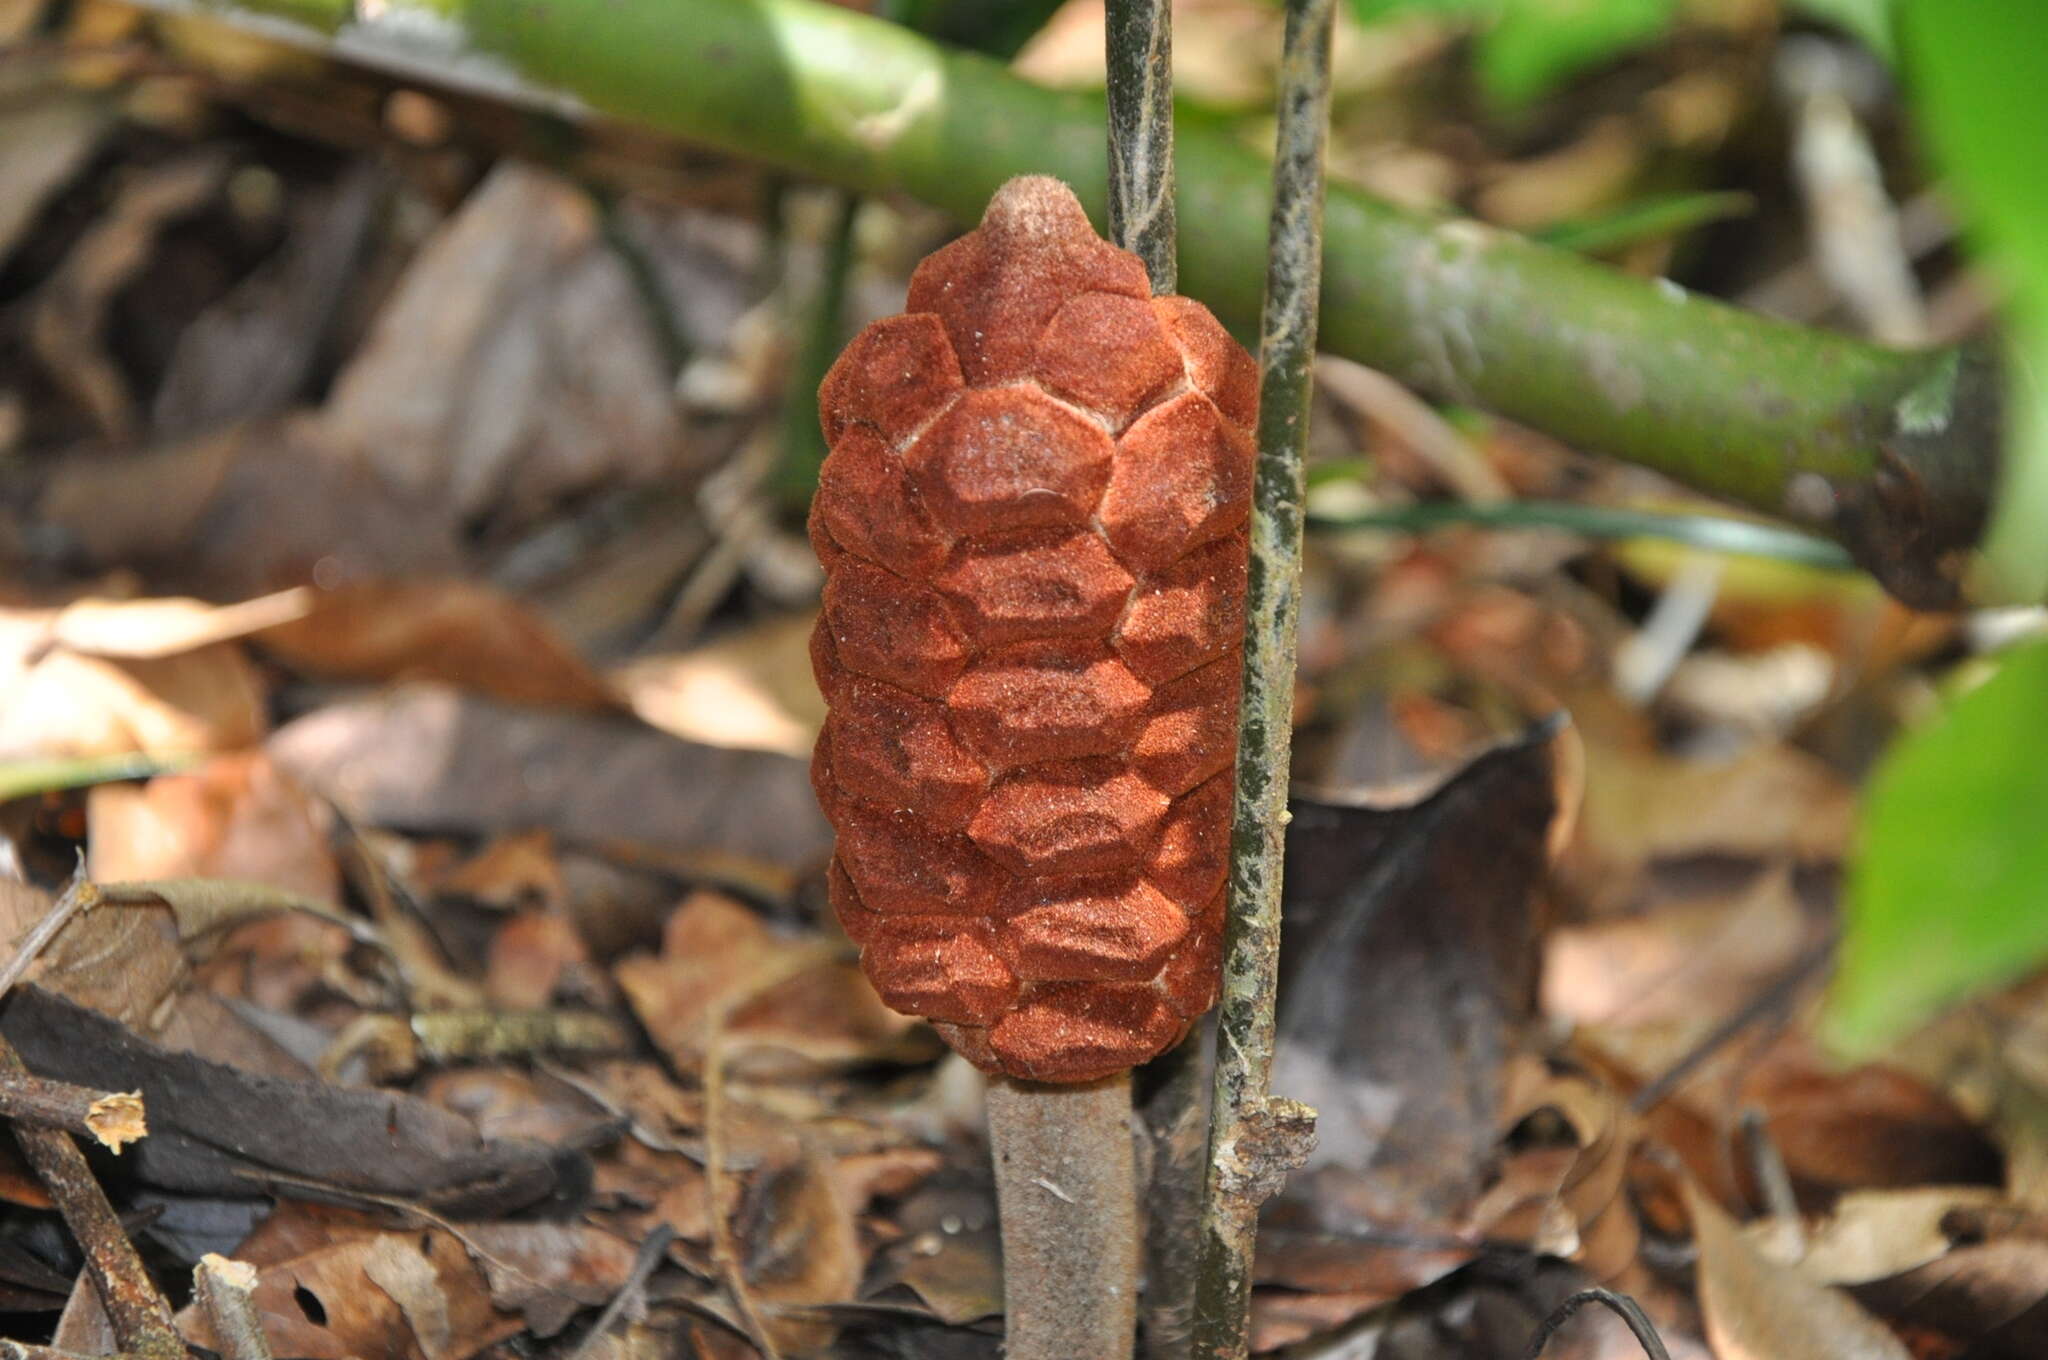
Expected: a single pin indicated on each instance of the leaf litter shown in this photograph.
(398, 625)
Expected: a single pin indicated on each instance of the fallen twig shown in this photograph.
(645, 1262)
(223, 1288)
(112, 1119)
(140, 1317)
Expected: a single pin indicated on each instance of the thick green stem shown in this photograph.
(1254, 1139)
(1894, 452)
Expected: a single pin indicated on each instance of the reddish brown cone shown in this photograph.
(1032, 524)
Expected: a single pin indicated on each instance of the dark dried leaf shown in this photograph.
(218, 1130)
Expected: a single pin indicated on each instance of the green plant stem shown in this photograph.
(1893, 452)
(1715, 533)
(1254, 1139)
(1138, 43)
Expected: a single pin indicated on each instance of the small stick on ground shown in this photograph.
(1068, 1202)
(223, 1288)
(140, 1318)
(1255, 1139)
(112, 1119)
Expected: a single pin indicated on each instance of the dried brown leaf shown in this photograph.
(1759, 1309)
(453, 632)
(752, 689)
(779, 1003)
(423, 756)
(508, 370)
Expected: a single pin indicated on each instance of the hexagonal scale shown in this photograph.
(1108, 354)
(901, 867)
(1193, 856)
(1073, 817)
(1047, 701)
(942, 967)
(1192, 731)
(1183, 476)
(1117, 930)
(867, 502)
(894, 376)
(1044, 584)
(895, 750)
(1009, 458)
(887, 628)
(1077, 1031)
(1188, 614)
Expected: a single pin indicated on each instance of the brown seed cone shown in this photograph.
(1032, 521)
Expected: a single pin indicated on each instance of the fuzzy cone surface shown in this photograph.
(1032, 521)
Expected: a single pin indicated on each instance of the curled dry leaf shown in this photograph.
(219, 1130)
(71, 310)
(247, 509)
(802, 1249)
(64, 703)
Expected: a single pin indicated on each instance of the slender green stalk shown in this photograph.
(1254, 1139)
(1139, 47)
(1893, 452)
(1715, 533)
(1138, 43)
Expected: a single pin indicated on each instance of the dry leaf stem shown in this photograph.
(110, 1118)
(1255, 1139)
(140, 1318)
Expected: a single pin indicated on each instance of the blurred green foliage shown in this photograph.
(1523, 49)
(1949, 890)
(1949, 893)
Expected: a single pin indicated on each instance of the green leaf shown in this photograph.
(1538, 43)
(1948, 893)
(1977, 72)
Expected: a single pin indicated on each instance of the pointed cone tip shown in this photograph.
(1036, 206)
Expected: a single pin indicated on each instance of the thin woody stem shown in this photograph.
(1139, 47)
(1254, 1140)
(1139, 59)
